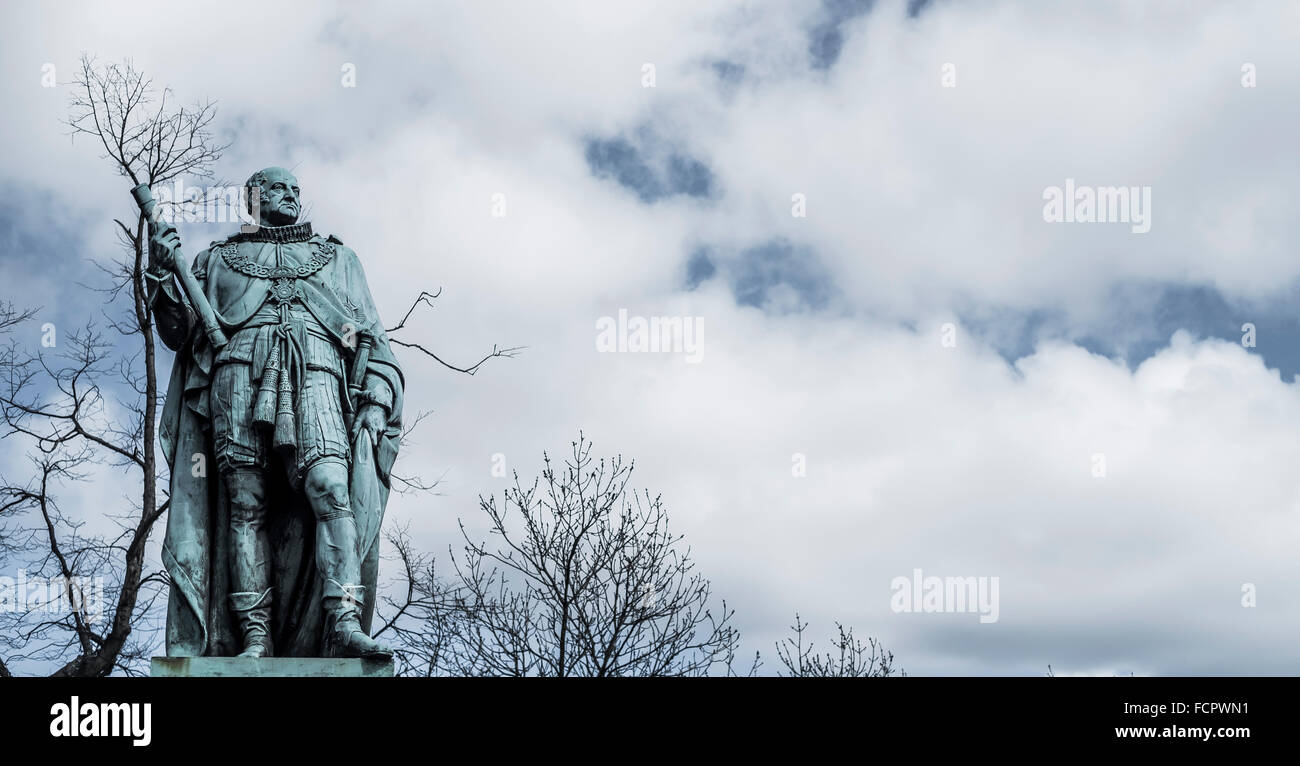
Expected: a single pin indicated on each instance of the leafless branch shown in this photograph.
(426, 298)
(849, 658)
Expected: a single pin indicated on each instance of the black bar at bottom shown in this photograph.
(306, 715)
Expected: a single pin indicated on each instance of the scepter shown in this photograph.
(193, 290)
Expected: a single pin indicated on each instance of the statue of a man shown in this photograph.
(300, 414)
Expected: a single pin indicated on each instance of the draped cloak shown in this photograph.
(196, 547)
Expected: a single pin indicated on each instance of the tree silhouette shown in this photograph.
(583, 578)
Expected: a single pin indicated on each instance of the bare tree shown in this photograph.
(59, 404)
(848, 658)
(426, 620)
(584, 579)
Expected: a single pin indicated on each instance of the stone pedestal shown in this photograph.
(270, 667)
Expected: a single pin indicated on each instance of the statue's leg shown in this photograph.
(242, 459)
(250, 560)
(322, 462)
(326, 488)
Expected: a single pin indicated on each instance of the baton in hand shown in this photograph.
(193, 290)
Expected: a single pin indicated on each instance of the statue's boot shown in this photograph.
(343, 634)
(253, 618)
(342, 597)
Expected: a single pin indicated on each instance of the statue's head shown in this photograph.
(278, 195)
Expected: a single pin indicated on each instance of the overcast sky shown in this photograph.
(823, 334)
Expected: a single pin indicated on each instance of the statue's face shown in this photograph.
(280, 197)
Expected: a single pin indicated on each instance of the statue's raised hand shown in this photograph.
(164, 248)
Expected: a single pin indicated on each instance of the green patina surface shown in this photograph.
(281, 424)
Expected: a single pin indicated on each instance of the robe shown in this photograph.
(196, 546)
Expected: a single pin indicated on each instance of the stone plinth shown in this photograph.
(270, 667)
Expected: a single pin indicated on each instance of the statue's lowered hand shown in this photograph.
(371, 419)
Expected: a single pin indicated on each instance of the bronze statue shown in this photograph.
(294, 397)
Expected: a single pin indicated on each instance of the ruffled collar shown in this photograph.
(294, 232)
